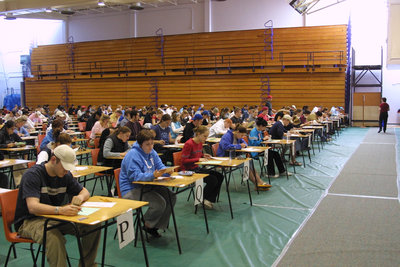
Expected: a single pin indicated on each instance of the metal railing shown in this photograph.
(312, 59)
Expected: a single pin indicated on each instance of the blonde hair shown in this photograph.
(201, 129)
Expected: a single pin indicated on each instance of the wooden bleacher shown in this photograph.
(220, 68)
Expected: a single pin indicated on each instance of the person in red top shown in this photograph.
(383, 115)
(192, 152)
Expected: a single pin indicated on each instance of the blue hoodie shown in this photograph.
(226, 143)
(138, 166)
(47, 139)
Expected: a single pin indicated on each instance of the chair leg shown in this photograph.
(33, 254)
(9, 252)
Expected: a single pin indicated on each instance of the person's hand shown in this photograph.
(77, 200)
(162, 142)
(243, 145)
(11, 145)
(203, 159)
(69, 210)
(20, 134)
(169, 171)
(122, 154)
(158, 173)
(207, 156)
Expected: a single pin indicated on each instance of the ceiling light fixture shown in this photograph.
(101, 3)
(67, 12)
(48, 10)
(137, 6)
(9, 16)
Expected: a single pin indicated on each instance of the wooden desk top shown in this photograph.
(76, 133)
(74, 140)
(12, 162)
(213, 140)
(103, 214)
(313, 127)
(223, 162)
(82, 152)
(256, 149)
(83, 170)
(279, 141)
(28, 137)
(177, 182)
(174, 146)
(16, 149)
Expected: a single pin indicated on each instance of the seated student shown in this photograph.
(19, 127)
(206, 118)
(188, 131)
(99, 127)
(237, 116)
(143, 164)
(264, 114)
(56, 124)
(92, 120)
(163, 137)
(255, 139)
(8, 137)
(35, 117)
(220, 127)
(34, 199)
(278, 131)
(193, 152)
(233, 140)
(60, 138)
(134, 125)
(185, 117)
(115, 117)
(116, 145)
(176, 126)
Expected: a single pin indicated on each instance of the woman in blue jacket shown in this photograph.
(143, 164)
(255, 139)
(233, 140)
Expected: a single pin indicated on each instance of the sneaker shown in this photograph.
(275, 176)
(153, 232)
(284, 173)
(208, 204)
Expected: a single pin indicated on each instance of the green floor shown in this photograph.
(255, 237)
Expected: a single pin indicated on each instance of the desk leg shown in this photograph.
(78, 240)
(227, 180)
(205, 216)
(104, 244)
(44, 243)
(174, 220)
(139, 212)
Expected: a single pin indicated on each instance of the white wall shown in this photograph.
(18, 37)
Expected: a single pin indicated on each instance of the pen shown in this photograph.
(83, 218)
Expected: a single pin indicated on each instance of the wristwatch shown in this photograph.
(57, 210)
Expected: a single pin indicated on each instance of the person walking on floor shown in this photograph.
(383, 115)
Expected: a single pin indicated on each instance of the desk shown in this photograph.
(30, 140)
(9, 164)
(20, 150)
(233, 164)
(85, 170)
(80, 141)
(285, 142)
(213, 140)
(83, 154)
(102, 215)
(258, 150)
(178, 183)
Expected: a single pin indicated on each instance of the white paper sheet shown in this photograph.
(99, 204)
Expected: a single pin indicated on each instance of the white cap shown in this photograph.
(60, 114)
(67, 157)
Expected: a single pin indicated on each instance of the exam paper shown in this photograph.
(99, 204)
(87, 211)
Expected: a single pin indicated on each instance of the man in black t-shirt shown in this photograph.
(46, 189)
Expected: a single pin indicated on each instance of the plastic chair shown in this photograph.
(8, 201)
(96, 142)
(87, 136)
(214, 148)
(116, 178)
(95, 154)
(31, 164)
(246, 139)
(40, 138)
(82, 126)
(177, 156)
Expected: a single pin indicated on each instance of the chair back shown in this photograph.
(44, 127)
(95, 154)
(8, 201)
(96, 142)
(116, 178)
(31, 164)
(87, 134)
(177, 159)
(214, 148)
(246, 139)
(40, 138)
(82, 126)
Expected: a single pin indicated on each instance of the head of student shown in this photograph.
(227, 123)
(61, 138)
(62, 161)
(240, 131)
(20, 121)
(9, 127)
(201, 133)
(286, 119)
(278, 115)
(145, 139)
(197, 120)
(57, 124)
(123, 133)
(165, 120)
(261, 124)
(104, 120)
(384, 99)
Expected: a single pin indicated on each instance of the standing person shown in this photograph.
(143, 164)
(269, 105)
(44, 190)
(193, 152)
(383, 115)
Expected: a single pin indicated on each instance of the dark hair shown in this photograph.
(122, 129)
(384, 99)
(9, 124)
(240, 128)
(58, 123)
(306, 112)
(261, 122)
(165, 117)
(61, 138)
(133, 113)
(318, 113)
(279, 114)
(145, 135)
(200, 129)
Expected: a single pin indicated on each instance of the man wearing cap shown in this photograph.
(188, 131)
(43, 190)
(264, 113)
(206, 118)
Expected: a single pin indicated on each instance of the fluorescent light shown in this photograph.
(48, 10)
(101, 3)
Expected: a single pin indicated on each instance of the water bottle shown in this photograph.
(230, 155)
(287, 136)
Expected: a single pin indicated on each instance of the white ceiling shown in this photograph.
(37, 8)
